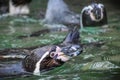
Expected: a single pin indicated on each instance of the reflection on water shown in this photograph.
(97, 62)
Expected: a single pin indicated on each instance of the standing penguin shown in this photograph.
(19, 7)
(14, 7)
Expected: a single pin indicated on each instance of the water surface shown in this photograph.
(97, 62)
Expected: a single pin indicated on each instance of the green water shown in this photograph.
(101, 62)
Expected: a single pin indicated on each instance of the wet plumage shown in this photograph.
(46, 57)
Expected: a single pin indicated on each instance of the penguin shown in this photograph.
(48, 57)
(17, 7)
(43, 58)
(14, 7)
(93, 15)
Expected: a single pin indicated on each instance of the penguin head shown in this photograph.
(56, 53)
(96, 11)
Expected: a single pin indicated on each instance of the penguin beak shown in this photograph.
(62, 57)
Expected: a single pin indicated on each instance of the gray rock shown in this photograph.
(59, 12)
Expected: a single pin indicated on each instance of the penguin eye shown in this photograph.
(102, 6)
(92, 11)
(52, 54)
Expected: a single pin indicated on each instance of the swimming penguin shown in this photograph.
(45, 58)
(48, 57)
(93, 15)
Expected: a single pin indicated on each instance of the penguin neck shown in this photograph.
(37, 66)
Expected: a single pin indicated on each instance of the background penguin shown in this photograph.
(93, 15)
(14, 7)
